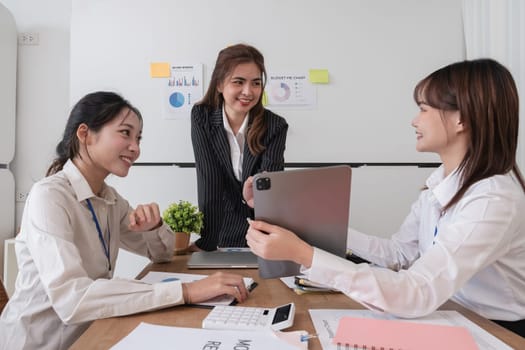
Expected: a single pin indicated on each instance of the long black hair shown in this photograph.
(95, 110)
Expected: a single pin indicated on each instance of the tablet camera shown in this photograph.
(263, 183)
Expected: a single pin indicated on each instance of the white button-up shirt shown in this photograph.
(64, 281)
(474, 254)
(236, 142)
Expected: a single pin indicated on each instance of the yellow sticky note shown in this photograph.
(159, 70)
(264, 98)
(319, 76)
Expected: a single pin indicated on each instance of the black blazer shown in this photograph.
(219, 192)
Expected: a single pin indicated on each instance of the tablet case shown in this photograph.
(313, 203)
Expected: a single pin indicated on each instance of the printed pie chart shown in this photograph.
(177, 99)
(282, 92)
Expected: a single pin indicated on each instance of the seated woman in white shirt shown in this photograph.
(72, 228)
(464, 238)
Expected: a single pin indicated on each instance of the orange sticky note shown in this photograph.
(159, 70)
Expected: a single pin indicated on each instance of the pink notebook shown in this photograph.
(369, 333)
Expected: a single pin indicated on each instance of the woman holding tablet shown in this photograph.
(464, 238)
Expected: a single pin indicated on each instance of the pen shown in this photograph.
(250, 288)
(306, 337)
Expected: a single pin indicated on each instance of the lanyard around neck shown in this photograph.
(100, 235)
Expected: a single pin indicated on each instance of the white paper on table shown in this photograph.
(149, 336)
(289, 281)
(326, 321)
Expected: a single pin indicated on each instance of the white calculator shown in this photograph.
(250, 317)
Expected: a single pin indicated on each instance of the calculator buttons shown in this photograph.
(249, 318)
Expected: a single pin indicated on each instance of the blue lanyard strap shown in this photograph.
(100, 236)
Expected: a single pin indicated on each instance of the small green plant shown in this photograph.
(183, 217)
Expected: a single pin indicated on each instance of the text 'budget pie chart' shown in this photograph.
(177, 99)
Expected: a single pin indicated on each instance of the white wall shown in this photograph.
(43, 92)
(42, 87)
(373, 69)
(43, 105)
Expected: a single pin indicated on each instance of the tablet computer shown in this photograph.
(314, 203)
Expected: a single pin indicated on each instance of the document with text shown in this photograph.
(149, 336)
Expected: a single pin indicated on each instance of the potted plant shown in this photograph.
(183, 218)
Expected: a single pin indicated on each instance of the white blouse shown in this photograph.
(474, 254)
(64, 281)
(236, 142)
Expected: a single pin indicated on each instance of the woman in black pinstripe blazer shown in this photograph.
(233, 137)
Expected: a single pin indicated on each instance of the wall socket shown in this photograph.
(21, 196)
(28, 39)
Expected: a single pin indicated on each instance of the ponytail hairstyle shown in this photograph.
(485, 94)
(95, 110)
(229, 58)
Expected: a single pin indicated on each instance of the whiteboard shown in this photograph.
(375, 52)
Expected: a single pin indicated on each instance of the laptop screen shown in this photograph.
(223, 260)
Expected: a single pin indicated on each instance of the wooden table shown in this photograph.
(104, 333)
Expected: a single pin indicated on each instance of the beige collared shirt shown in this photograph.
(64, 281)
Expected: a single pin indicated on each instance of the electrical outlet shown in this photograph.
(28, 39)
(21, 196)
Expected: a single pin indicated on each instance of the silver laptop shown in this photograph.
(314, 203)
(223, 260)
